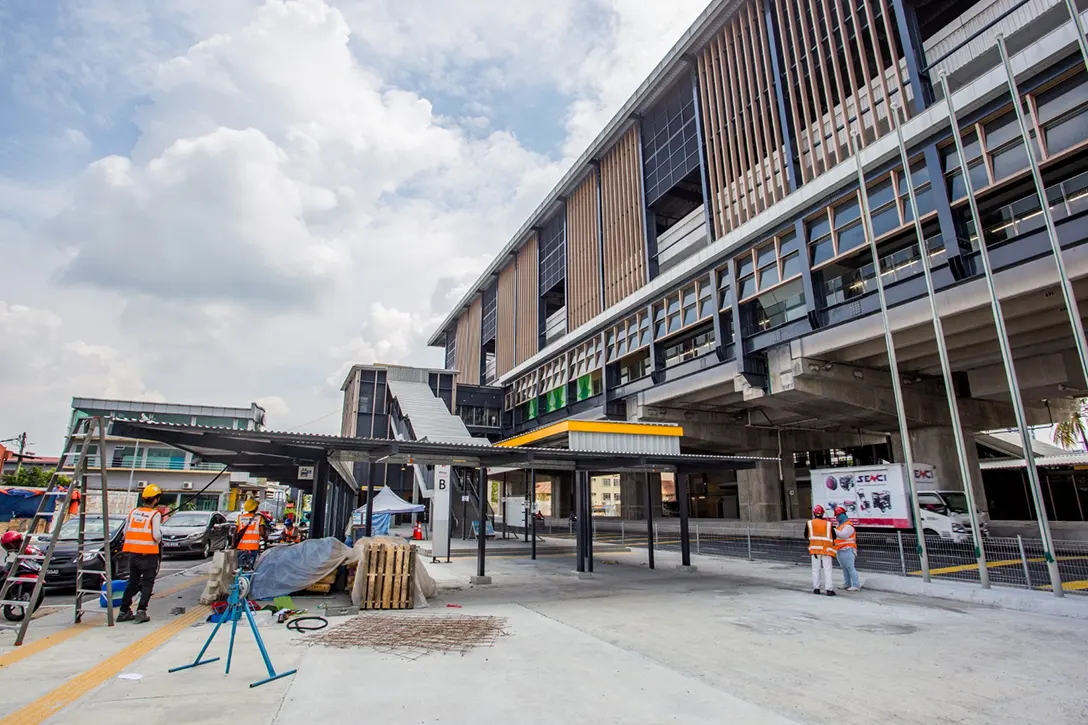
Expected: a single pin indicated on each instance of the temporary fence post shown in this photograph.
(623, 535)
(698, 548)
(749, 536)
(1024, 560)
(902, 558)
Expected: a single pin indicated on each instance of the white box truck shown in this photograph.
(876, 497)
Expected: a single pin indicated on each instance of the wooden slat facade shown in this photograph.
(746, 169)
(857, 99)
(583, 254)
(506, 310)
(468, 343)
(527, 333)
(622, 217)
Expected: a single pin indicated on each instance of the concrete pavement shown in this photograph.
(734, 642)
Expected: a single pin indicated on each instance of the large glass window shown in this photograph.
(553, 253)
(490, 313)
(165, 458)
(690, 346)
(769, 264)
(670, 143)
(1062, 111)
(782, 305)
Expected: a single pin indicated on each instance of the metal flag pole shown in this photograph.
(1081, 41)
(942, 353)
(893, 363)
(1006, 348)
(1068, 295)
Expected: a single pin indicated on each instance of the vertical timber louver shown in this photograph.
(507, 312)
(623, 220)
(528, 307)
(468, 343)
(583, 254)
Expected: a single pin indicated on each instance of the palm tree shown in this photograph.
(1073, 431)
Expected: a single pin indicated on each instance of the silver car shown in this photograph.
(195, 532)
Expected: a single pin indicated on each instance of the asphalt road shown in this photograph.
(170, 566)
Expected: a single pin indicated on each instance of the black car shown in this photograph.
(61, 572)
(195, 532)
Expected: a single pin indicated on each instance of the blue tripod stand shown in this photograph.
(237, 605)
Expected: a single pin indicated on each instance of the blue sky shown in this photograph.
(234, 201)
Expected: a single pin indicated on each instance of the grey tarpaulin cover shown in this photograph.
(285, 569)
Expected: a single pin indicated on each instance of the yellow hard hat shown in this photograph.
(151, 491)
(250, 505)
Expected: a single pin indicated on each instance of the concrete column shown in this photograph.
(562, 488)
(937, 447)
(760, 490)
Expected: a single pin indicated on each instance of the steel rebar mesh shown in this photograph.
(412, 636)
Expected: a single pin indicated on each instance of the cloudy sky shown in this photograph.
(233, 201)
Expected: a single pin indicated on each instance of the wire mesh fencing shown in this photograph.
(1010, 561)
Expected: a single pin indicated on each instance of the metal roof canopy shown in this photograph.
(265, 450)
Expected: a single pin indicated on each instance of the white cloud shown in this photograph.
(307, 184)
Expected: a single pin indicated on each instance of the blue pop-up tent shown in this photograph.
(386, 504)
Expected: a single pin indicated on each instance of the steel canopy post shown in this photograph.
(1006, 351)
(893, 363)
(682, 499)
(649, 522)
(481, 538)
(587, 491)
(579, 514)
(1068, 295)
(942, 353)
(532, 512)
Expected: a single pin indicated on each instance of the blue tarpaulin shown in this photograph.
(19, 503)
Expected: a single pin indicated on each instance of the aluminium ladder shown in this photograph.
(51, 509)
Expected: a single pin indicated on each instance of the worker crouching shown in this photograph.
(821, 547)
(143, 534)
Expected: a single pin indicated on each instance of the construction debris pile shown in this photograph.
(412, 637)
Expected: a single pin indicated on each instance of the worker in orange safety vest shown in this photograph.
(143, 533)
(821, 548)
(846, 549)
(250, 532)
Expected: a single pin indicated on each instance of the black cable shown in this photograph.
(181, 503)
(296, 626)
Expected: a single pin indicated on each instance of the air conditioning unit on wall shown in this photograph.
(187, 485)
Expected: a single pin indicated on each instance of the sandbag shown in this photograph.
(282, 570)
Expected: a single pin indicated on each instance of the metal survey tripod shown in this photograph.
(54, 503)
(237, 606)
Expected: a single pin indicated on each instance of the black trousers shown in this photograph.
(142, 570)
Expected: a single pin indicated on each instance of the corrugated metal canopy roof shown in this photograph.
(257, 449)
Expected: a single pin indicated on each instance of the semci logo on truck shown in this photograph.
(872, 478)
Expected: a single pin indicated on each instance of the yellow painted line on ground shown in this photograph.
(990, 564)
(51, 703)
(1077, 586)
(40, 645)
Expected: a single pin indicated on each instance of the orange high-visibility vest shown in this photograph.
(846, 537)
(820, 542)
(139, 532)
(251, 539)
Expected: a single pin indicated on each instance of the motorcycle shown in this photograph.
(21, 590)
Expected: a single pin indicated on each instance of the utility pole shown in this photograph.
(22, 448)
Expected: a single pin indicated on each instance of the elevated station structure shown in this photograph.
(709, 259)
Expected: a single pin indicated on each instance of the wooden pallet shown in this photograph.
(387, 570)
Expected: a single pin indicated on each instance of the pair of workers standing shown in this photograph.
(827, 541)
(143, 540)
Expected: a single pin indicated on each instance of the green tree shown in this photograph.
(31, 477)
(1073, 431)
